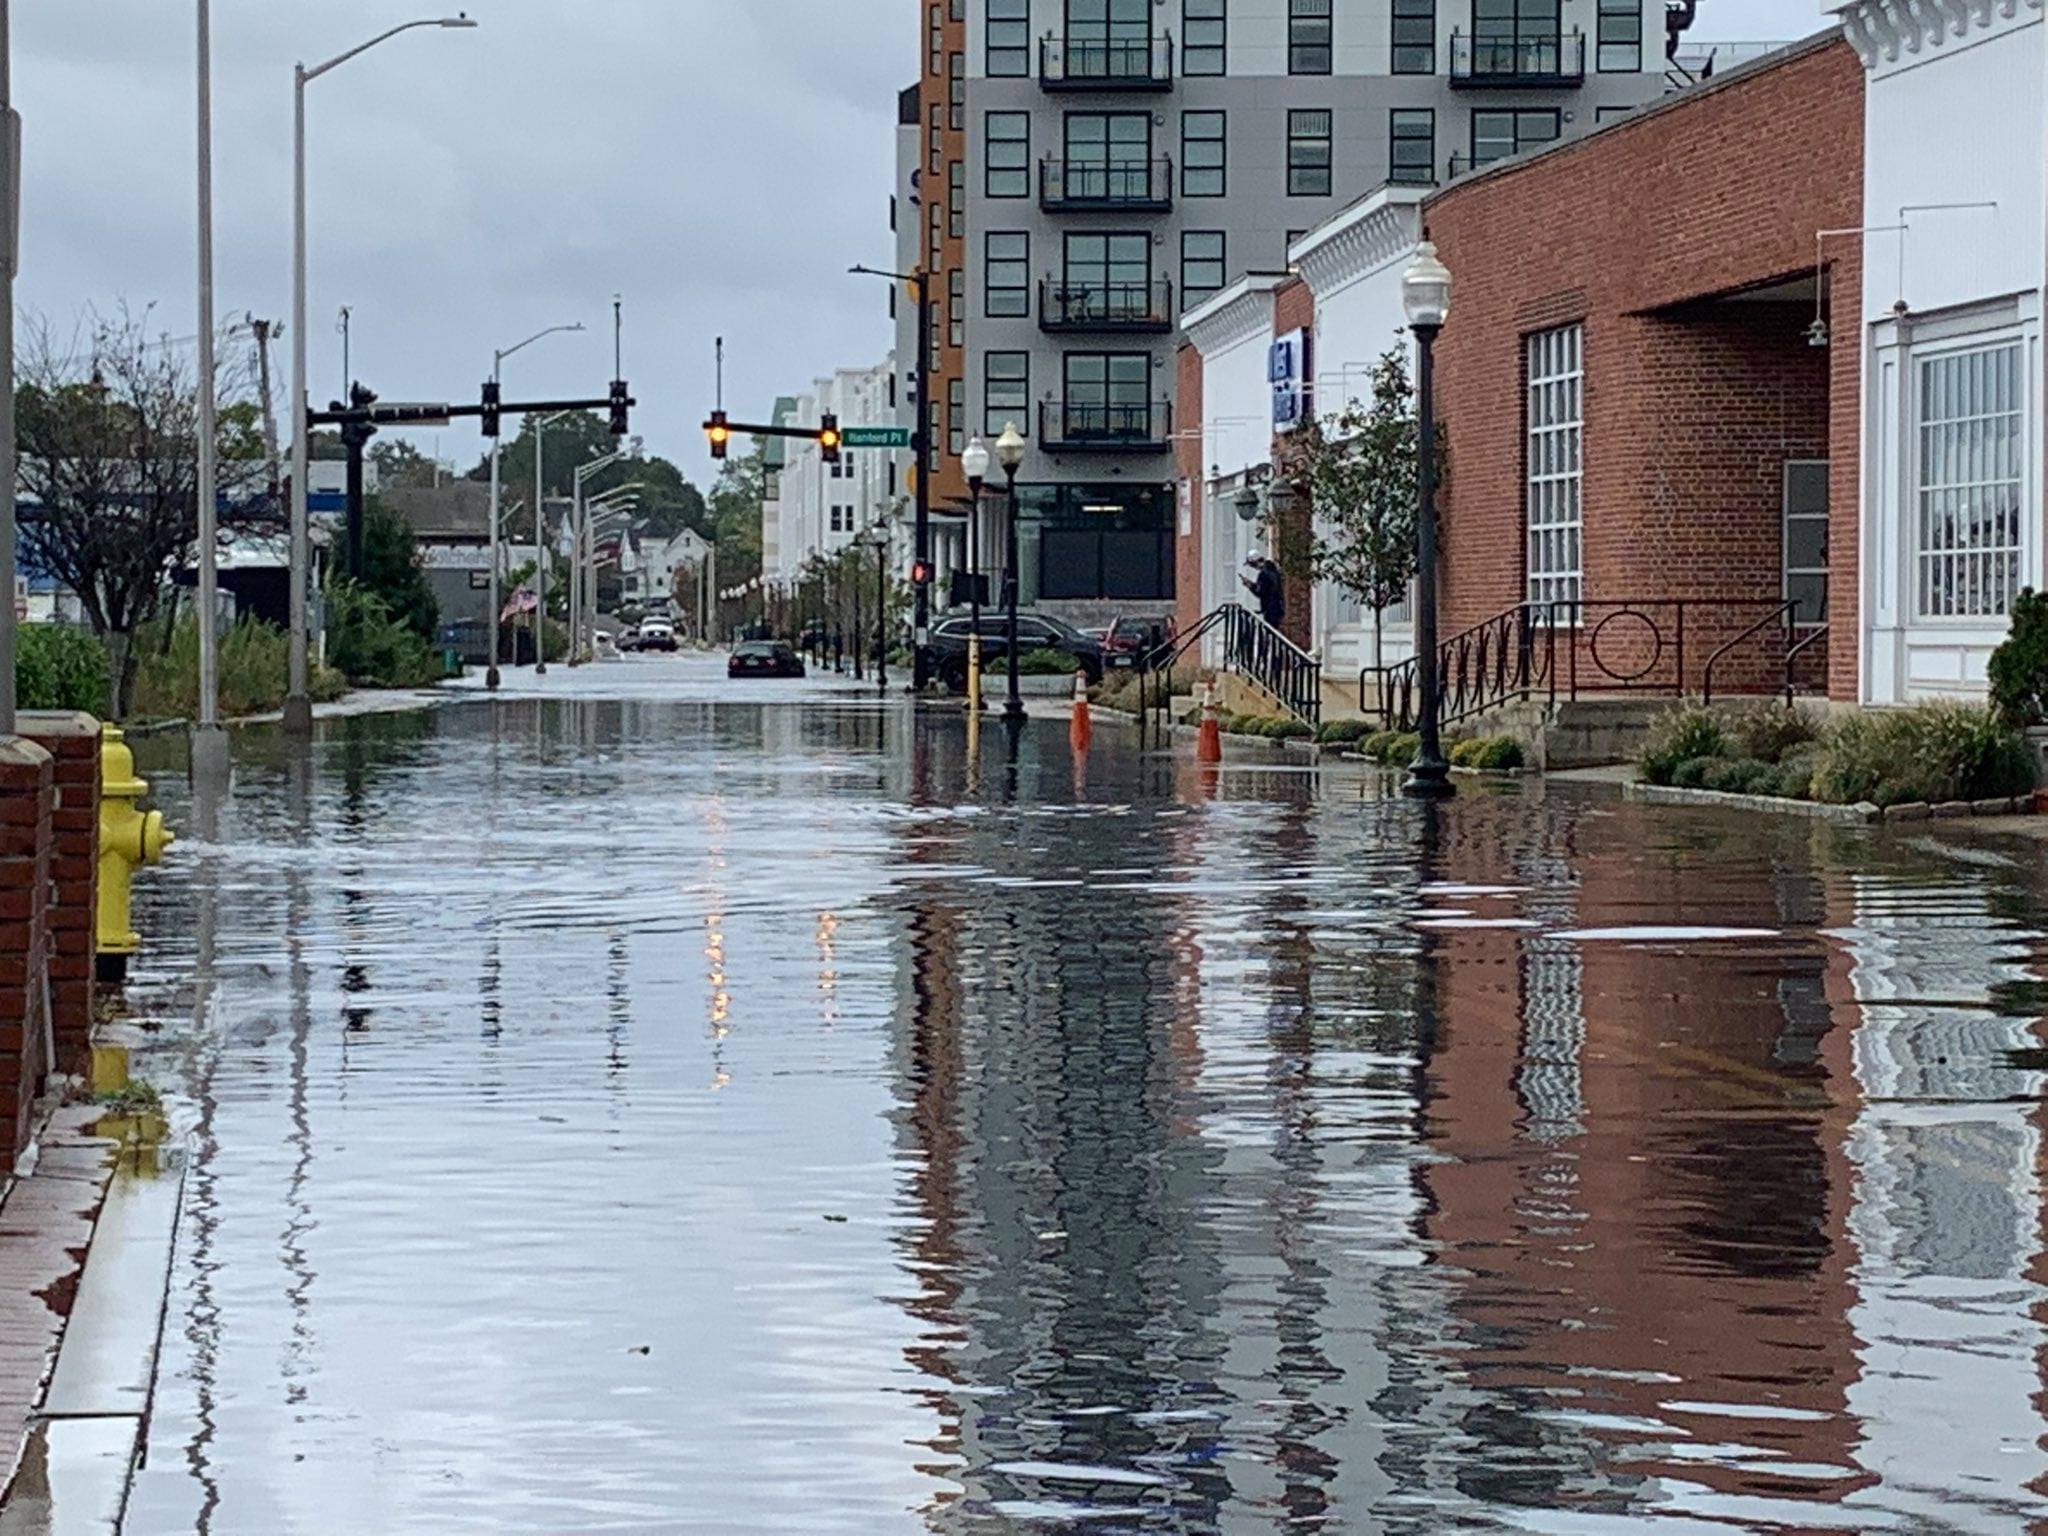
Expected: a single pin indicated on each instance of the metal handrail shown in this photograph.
(1252, 648)
(1782, 614)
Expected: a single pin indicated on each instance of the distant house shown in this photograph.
(648, 564)
(452, 523)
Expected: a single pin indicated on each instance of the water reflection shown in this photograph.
(661, 1114)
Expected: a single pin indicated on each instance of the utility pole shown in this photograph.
(262, 329)
(205, 742)
(10, 260)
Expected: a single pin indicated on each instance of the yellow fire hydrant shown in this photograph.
(129, 838)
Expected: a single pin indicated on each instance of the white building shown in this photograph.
(648, 564)
(1954, 254)
(822, 507)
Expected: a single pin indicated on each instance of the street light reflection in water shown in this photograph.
(1263, 1154)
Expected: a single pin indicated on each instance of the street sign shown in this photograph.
(874, 437)
(409, 414)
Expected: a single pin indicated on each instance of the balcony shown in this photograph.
(1517, 61)
(1081, 186)
(1067, 427)
(1129, 308)
(1135, 64)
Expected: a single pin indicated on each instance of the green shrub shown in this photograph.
(1682, 735)
(1046, 663)
(1489, 754)
(1343, 733)
(1692, 773)
(1289, 729)
(2018, 671)
(1794, 777)
(1394, 748)
(59, 667)
(1766, 732)
(1933, 752)
(1740, 776)
(251, 672)
(371, 648)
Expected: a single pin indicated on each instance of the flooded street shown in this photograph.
(666, 1105)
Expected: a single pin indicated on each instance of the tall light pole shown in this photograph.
(10, 251)
(206, 740)
(298, 703)
(576, 528)
(497, 494)
(1010, 454)
(974, 464)
(923, 460)
(1426, 295)
(540, 540)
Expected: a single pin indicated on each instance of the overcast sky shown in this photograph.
(719, 163)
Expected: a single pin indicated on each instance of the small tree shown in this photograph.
(1359, 470)
(107, 427)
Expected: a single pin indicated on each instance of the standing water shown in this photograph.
(742, 1110)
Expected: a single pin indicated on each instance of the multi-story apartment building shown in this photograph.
(1099, 167)
(822, 507)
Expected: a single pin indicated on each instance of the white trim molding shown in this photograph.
(1360, 240)
(1236, 314)
(1899, 32)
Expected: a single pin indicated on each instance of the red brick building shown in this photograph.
(1635, 405)
(1640, 408)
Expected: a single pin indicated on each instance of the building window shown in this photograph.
(1620, 36)
(1106, 277)
(1611, 114)
(1006, 275)
(956, 199)
(1552, 518)
(1109, 39)
(1006, 392)
(1308, 153)
(1108, 155)
(1201, 265)
(1009, 38)
(1108, 394)
(1201, 154)
(1516, 36)
(956, 86)
(1411, 156)
(1008, 149)
(1203, 37)
(956, 415)
(1970, 469)
(1308, 37)
(1806, 540)
(1497, 135)
(1414, 37)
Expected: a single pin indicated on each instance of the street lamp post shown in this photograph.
(922, 458)
(881, 608)
(1426, 295)
(298, 703)
(974, 462)
(497, 494)
(1010, 454)
(540, 541)
(206, 740)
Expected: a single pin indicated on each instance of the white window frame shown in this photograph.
(1924, 560)
(1786, 518)
(1553, 473)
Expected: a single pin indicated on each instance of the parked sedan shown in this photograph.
(1035, 632)
(764, 658)
(656, 635)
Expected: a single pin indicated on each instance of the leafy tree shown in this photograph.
(1359, 468)
(393, 571)
(668, 501)
(108, 436)
(735, 512)
(399, 463)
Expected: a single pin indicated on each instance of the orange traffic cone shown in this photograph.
(1209, 739)
(1080, 729)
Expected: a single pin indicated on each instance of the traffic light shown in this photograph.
(620, 401)
(828, 438)
(920, 573)
(491, 398)
(719, 433)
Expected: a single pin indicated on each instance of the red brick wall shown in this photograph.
(1294, 308)
(73, 741)
(27, 795)
(1187, 461)
(1688, 413)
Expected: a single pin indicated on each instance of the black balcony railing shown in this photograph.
(1099, 64)
(1518, 59)
(1130, 185)
(1093, 306)
(1141, 426)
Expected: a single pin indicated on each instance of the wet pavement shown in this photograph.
(735, 1109)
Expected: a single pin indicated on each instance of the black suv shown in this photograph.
(1035, 632)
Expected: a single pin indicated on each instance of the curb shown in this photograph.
(1864, 814)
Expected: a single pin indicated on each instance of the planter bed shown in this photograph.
(1864, 814)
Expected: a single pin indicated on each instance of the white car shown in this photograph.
(656, 635)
